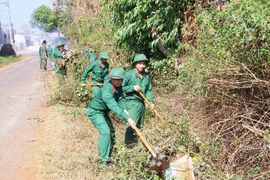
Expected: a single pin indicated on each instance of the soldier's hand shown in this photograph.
(137, 88)
(131, 122)
(127, 113)
(83, 85)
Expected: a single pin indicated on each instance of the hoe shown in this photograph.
(159, 166)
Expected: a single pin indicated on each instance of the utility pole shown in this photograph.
(9, 24)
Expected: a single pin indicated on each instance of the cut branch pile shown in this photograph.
(241, 103)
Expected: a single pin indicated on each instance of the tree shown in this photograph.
(44, 19)
(145, 25)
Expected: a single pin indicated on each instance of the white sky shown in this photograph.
(20, 11)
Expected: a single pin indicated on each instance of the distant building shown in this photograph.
(20, 41)
(3, 38)
(27, 40)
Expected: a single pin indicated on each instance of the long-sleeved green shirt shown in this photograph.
(133, 78)
(99, 72)
(50, 51)
(108, 99)
(43, 52)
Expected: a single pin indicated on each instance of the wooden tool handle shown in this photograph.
(149, 104)
(145, 142)
(94, 84)
(144, 98)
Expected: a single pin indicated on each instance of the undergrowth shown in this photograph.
(213, 93)
(74, 154)
(7, 60)
(228, 75)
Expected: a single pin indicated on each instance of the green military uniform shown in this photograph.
(43, 57)
(85, 52)
(99, 73)
(50, 55)
(109, 98)
(60, 61)
(50, 51)
(135, 102)
(90, 55)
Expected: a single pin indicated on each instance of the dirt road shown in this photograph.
(22, 108)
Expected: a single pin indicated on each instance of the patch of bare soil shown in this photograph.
(69, 148)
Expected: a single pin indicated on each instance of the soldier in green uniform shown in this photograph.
(90, 55)
(109, 98)
(100, 70)
(137, 80)
(43, 55)
(50, 56)
(60, 55)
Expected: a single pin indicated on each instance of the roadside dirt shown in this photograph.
(22, 114)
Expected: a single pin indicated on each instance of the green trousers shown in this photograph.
(40, 62)
(106, 131)
(43, 63)
(136, 112)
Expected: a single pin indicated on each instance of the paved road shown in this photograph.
(21, 109)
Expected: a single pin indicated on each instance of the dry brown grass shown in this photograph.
(90, 8)
(69, 149)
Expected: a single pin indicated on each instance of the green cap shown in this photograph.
(140, 57)
(60, 43)
(104, 55)
(117, 73)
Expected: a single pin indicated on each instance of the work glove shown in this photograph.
(131, 122)
(137, 88)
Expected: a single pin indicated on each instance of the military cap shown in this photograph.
(60, 43)
(140, 57)
(104, 55)
(117, 73)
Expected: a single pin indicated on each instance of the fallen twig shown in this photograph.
(256, 131)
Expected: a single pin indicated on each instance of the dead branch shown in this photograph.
(257, 131)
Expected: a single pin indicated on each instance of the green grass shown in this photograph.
(8, 60)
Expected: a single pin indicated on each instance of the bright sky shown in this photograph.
(20, 10)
